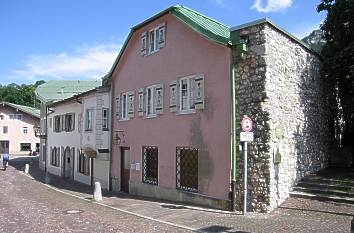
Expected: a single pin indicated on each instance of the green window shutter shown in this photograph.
(199, 92)
(141, 102)
(131, 104)
(162, 35)
(158, 95)
(173, 96)
(118, 104)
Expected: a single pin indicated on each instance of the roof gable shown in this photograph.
(26, 109)
(205, 26)
(56, 90)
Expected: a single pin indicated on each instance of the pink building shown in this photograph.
(174, 142)
(16, 129)
(180, 86)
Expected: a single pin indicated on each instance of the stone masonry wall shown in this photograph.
(278, 86)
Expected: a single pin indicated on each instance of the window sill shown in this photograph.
(88, 130)
(126, 119)
(185, 112)
(105, 129)
(151, 116)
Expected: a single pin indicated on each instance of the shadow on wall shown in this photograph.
(312, 137)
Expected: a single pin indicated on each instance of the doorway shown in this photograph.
(67, 163)
(4, 147)
(125, 169)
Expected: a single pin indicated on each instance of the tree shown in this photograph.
(20, 94)
(338, 68)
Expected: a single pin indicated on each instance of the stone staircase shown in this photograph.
(331, 184)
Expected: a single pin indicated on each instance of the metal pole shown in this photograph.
(245, 179)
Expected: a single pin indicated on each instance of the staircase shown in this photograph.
(331, 184)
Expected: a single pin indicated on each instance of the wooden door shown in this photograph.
(4, 147)
(125, 169)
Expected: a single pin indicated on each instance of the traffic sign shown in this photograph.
(246, 136)
(247, 124)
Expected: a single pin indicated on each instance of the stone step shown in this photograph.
(334, 181)
(324, 191)
(331, 186)
(322, 197)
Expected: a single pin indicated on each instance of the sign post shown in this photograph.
(245, 136)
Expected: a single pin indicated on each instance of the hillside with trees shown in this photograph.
(20, 94)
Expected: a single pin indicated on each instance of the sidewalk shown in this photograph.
(295, 215)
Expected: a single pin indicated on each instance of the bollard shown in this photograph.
(97, 195)
(27, 168)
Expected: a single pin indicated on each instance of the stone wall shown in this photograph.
(278, 86)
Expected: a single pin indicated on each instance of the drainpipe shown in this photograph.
(112, 89)
(233, 137)
(241, 49)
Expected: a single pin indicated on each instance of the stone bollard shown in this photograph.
(97, 195)
(27, 168)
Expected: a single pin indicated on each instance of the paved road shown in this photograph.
(27, 206)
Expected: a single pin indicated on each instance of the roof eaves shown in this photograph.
(282, 30)
(34, 112)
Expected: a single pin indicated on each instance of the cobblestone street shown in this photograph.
(27, 205)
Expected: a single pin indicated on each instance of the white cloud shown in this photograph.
(84, 62)
(271, 5)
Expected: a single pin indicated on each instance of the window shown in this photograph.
(5, 129)
(154, 100)
(25, 146)
(150, 165)
(57, 124)
(1, 117)
(19, 117)
(187, 169)
(153, 40)
(124, 106)
(105, 118)
(11, 116)
(89, 119)
(69, 122)
(24, 130)
(83, 164)
(150, 102)
(55, 157)
(186, 95)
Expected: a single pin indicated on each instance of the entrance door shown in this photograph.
(125, 169)
(67, 163)
(4, 147)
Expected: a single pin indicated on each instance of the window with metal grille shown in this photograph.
(187, 169)
(150, 165)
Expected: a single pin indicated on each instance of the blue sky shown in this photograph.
(79, 39)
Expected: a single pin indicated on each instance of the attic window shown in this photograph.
(153, 40)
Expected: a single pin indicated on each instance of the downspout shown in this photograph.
(110, 188)
(235, 60)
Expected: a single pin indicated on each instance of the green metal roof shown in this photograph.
(207, 27)
(29, 110)
(56, 90)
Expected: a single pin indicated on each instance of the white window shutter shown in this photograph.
(62, 122)
(143, 45)
(118, 104)
(131, 104)
(159, 98)
(173, 96)
(199, 92)
(162, 35)
(141, 102)
(73, 122)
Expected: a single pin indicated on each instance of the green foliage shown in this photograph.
(20, 94)
(338, 55)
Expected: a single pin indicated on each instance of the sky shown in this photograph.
(80, 39)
